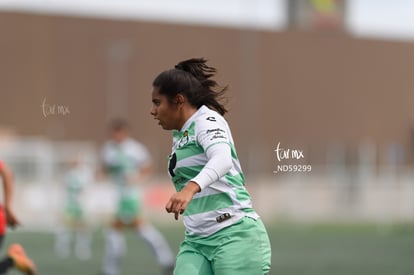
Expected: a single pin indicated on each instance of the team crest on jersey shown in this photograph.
(185, 139)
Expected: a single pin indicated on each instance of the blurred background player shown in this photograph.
(126, 162)
(16, 256)
(74, 226)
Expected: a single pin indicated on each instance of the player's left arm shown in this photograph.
(143, 161)
(7, 176)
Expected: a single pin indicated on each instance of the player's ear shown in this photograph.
(179, 99)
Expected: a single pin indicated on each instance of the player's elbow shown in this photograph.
(220, 164)
(226, 163)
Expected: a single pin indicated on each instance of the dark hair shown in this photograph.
(119, 124)
(192, 78)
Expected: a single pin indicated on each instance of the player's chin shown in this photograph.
(165, 127)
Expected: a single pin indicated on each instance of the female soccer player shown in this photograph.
(224, 235)
(74, 224)
(16, 256)
(125, 160)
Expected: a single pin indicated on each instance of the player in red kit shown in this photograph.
(16, 257)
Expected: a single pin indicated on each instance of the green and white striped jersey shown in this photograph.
(75, 182)
(221, 203)
(122, 160)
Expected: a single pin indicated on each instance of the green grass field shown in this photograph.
(297, 250)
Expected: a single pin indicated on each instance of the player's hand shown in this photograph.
(11, 219)
(179, 201)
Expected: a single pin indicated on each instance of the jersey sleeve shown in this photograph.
(219, 163)
(213, 136)
(212, 130)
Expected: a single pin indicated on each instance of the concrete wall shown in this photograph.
(306, 90)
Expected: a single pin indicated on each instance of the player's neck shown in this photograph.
(186, 113)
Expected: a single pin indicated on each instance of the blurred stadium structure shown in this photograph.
(306, 83)
(331, 193)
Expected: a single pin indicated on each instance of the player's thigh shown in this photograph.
(128, 211)
(245, 252)
(191, 262)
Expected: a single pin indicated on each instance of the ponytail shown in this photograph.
(192, 78)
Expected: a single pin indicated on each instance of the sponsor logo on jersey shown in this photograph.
(216, 133)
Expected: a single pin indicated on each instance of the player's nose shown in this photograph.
(153, 110)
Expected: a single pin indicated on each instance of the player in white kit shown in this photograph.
(125, 160)
(224, 234)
